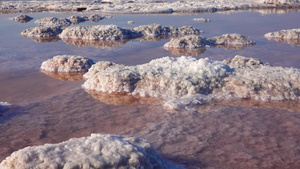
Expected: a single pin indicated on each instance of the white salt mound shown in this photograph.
(284, 34)
(231, 39)
(156, 29)
(95, 18)
(42, 31)
(201, 20)
(279, 1)
(53, 21)
(22, 18)
(4, 106)
(192, 41)
(99, 32)
(77, 19)
(164, 77)
(256, 80)
(67, 63)
(99, 151)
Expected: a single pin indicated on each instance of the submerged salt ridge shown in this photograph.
(290, 36)
(143, 6)
(95, 151)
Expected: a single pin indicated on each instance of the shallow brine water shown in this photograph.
(240, 134)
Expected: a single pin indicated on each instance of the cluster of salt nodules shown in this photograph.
(201, 20)
(164, 77)
(279, 1)
(253, 79)
(95, 151)
(194, 41)
(4, 106)
(67, 63)
(42, 32)
(157, 29)
(98, 32)
(22, 18)
(290, 36)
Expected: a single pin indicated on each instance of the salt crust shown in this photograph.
(194, 41)
(157, 29)
(96, 151)
(4, 106)
(22, 18)
(67, 63)
(288, 34)
(201, 20)
(143, 6)
(185, 81)
(42, 31)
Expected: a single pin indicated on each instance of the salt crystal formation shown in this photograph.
(253, 79)
(4, 106)
(279, 1)
(201, 20)
(290, 36)
(156, 29)
(130, 22)
(164, 77)
(42, 32)
(231, 39)
(67, 63)
(95, 151)
(22, 18)
(53, 21)
(191, 41)
(77, 19)
(95, 18)
(99, 32)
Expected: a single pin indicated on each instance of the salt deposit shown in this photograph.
(95, 151)
(253, 79)
(141, 7)
(188, 42)
(130, 22)
(99, 32)
(77, 19)
(67, 63)
(95, 18)
(156, 29)
(290, 36)
(4, 106)
(164, 77)
(22, 18)
(201, 20)
(231, 39)
(42, 31)
(53, 21)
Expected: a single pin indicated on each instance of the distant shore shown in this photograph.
(143, 6)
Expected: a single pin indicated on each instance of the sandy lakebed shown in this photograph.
(52, 108)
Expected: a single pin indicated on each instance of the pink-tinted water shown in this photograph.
(242, 134)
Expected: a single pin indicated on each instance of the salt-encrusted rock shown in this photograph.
(95, 151)
(77, 19)
(231, 39)
(164, 77)
(191, 41)
(42, 31)
(130, 22)
(95, 18)
(53, 21)
(4, 106)
(201, 20)
(254, 80)
(279, 1)
(67, 63)
(285, 34)
(22, 18)
(99, 32)
(290, 36)
(156, 29)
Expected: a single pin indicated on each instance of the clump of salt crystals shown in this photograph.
(95, 151)
(67, 63)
